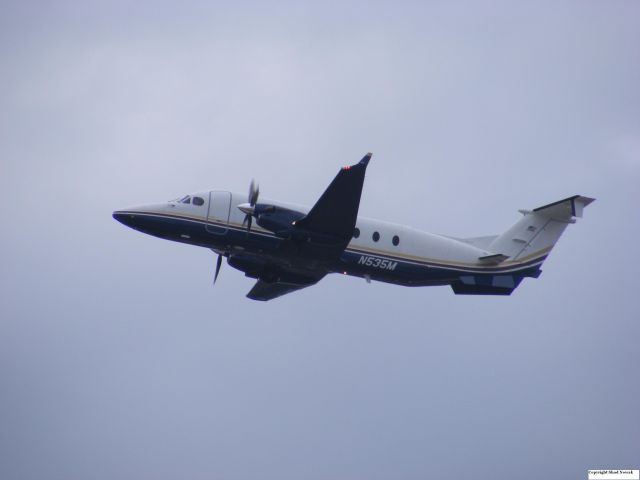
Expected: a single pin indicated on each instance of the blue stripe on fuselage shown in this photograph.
(353, 261)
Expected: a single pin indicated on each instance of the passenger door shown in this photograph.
(218, 213)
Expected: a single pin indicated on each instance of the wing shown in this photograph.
(336, 211)
(326, 231)
(268, 291)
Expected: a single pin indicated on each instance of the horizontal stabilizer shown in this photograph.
(493, 259)
(565, 209)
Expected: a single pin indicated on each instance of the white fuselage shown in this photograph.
(412, 244)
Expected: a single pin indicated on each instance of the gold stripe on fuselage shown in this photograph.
(507, 265)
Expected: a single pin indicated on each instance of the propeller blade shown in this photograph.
(254, 192)
(218, 265)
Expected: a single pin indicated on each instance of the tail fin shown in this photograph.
(526, 243)
(538, 230)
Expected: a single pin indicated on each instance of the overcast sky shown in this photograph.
(118, 359)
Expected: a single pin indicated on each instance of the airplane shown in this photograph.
(292, 247)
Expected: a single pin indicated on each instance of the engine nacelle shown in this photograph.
(278, 220)
(252, 266)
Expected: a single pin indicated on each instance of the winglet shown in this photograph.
(365, 159)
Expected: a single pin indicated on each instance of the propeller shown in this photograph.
(248, 208)
(218, 265)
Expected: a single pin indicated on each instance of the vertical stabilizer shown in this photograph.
(538, 230)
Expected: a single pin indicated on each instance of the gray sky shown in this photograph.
(119, 360)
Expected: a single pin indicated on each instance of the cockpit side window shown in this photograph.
(198, 201)
(185, 199)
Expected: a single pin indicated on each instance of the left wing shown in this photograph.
(268, 291)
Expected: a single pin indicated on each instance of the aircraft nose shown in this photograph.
(124, 217)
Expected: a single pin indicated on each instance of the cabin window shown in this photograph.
(198, 201)
(395, 240)
(356, 232)
(376, 236)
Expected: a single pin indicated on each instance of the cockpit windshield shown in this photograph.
(188, 199)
